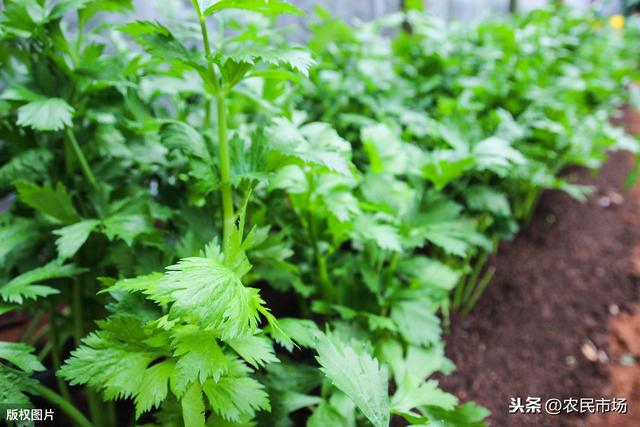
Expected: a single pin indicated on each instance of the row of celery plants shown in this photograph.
(317, 208)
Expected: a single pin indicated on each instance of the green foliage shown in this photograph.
(55, 203)
(45, 115)
(26, 285)
(15, 381)
(358, 375)
(176, 189)
(267, 7)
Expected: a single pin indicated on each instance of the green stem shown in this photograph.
(66, 407)
(223, 143)
(110, 416)
(460, 287)
(56, 350)
(81, 158)
(473, 279)
(76, 311)
(328, 289)
(68, 157)
(326, 285)
(391, 268)
(95, 409)
(78, 333)
(225, 178)
(482, 286)
(446, 318)
(79, 39)
(33, 325)
(531, 203)
(46, 349)
(207, 112)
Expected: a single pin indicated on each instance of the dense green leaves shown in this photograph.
(210, 293)
(358, 187)
(54, 202)
(113, 361)
(14, 383)
(358, 375)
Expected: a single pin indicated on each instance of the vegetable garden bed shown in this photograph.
(209, 226)
(557, 285)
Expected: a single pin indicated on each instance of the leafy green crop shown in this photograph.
(232, 230)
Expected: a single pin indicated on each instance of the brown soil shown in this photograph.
(624, 373)
(541, 328)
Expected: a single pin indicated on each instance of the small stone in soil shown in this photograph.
(604, 201)
(589, 351)
(614, 310)
(628, 360)
(616, 198)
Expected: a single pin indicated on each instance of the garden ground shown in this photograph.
(561, 318)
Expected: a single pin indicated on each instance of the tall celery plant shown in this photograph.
(199, 333)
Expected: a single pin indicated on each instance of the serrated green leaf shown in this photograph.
(443, 225)
(358, 375)
(154, 386)
(181, 136)
(13, 386)
(15, 237)
(235, 397)
(410, 396)
(25, 286)
(368, 228)
(314, 143)
(127, 226)
(444, 166)
(257, 350)
(193, 407)
(416, 322)
(160, 42)
(114, 360)
(212, 295)
(200, 356)
(56, 202)
(497, 154)
(430, 273)
(388, 153)
(29, 165)
(72, 237)
(483, 198)
(266, 7)
(248, 159)
(50, 114)
(236, 64)
(21, 355)
(148, 284)
(303, 332)
(418, 363)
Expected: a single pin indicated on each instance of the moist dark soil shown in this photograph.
(624, 372)
(541, 329)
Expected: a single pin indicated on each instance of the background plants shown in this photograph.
(232, 230)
